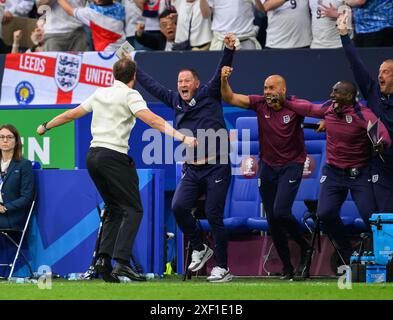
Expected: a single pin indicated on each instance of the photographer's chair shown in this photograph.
(316, 233)
(16, 236)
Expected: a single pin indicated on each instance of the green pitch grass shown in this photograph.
(198, 289)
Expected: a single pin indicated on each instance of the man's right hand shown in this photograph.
(139, 29)
(190, 142)
(230, 40)
(342, 24)
(226, 72)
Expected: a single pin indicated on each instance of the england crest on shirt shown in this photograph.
(348, 119)
(67, 71)
(286, 119)
(375, 178)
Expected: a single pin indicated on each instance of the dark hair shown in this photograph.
(124, 70)
(18, 143)
(350, 88)
(105, 3)
(194, 73)
(166, 13)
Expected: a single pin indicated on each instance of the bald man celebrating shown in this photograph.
(282, 153)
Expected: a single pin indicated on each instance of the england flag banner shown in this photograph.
(55, 77)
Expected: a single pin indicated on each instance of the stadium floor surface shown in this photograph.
(173, 288)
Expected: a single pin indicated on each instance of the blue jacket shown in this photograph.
(380, 104)
(17, 193)
(205, 109)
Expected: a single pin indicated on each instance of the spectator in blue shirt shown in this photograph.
(373, 22)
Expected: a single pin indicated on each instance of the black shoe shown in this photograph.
(287, 276)
(122, 270)
(103, 267)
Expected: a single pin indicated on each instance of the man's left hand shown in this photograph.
(2, 209)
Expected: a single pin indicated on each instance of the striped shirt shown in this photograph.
(106, 24)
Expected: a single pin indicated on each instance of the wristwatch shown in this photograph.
(44, 125)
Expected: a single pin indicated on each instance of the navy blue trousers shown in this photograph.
(278, 188)
(335, 184)
(212, 180)
(382, 178)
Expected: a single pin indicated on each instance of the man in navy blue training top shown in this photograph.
(198, 108)
(282, 153)
(347, 161)
(379, 96)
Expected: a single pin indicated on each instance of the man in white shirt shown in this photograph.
(323, 25)
(199, 33)
(289, 24)
(62, 33)
(115, 110)
(19, 8)
(236, 17)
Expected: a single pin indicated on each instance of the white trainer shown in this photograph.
(199, 258)
(219, 274)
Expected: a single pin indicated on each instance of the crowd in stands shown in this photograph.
(103, 25)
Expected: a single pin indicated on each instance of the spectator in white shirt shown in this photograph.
(289, 24)
(199, 33)
(61, 32)
(236, 17)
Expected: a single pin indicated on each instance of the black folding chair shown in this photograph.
(12, 235)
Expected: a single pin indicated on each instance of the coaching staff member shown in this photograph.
(379, 96)
(282, 153)
(115, 110)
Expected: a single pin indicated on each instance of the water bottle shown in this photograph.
(75, 276)
(151, 276)
(20, 280)
(125, 279)
(354, 258)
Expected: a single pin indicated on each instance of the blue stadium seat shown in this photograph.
(309, 187)
(311, 134)
(350, 216)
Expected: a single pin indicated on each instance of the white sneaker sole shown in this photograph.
(228, 277)
(206, 257)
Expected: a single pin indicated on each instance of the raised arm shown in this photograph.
(155, 88)
(67, 7)
(228, 96)
(360, 72)
(205, 9)
(214, 84)
(269, 4)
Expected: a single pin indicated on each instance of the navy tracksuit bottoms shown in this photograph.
(212, 180)
(278, 188)
(335, 184)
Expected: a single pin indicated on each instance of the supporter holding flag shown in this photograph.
(105, 19)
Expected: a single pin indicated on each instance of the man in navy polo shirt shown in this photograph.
(198, 107)
(347, 160)
(282, 153)
(379, 96)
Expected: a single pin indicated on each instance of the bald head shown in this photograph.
(275, 88)
(277, 80)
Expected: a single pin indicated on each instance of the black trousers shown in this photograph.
(212, 180)
(115, 177)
